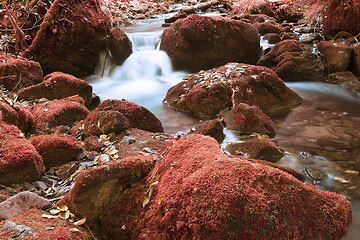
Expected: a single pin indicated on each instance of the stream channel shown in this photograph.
(321, 137)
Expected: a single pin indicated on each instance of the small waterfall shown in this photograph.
(143, 78)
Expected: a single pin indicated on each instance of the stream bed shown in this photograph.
(321, 137)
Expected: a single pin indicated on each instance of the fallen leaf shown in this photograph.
(55, 211)
(63, 208)
(75, 230)
(64, 215)
(49, 216)
(80, 222)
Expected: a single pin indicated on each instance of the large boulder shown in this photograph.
(17, 73)
(96, 190)
(198, 42)
(19, 160)
(120, 45)
(197, 192)
(293, 63)
(58, 85)
(206, 93)
(16, 115)
(32, 225)
(356, 58)
(56, 113)
(118, 115)
(337, 56)
(56, 150)
(248, 119)
(342, 15)
(70, 38)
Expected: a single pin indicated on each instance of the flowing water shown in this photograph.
(321, 137)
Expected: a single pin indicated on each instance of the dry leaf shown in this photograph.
(80, 222)
(63, 208)
(75, 230)
(64, 215)
(48, 216)
(55, 211)
(160, 199)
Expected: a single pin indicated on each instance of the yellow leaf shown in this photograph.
(80, 222)
(160, 199)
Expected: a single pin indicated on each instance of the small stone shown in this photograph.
(40, 185)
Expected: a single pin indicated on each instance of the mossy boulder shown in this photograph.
(199, 43)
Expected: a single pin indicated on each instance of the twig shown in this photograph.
(19, 34)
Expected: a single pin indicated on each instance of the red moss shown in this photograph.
(342, 15)
(18, 116)
(70, 37)
(292, 62)
(248, 119)
(206, 93)
(56, 113)
(56, 150)
(37, 227)
(138, 116)
(19, 160)
(58, 85)
(203, 194)
(105, 122)
(18, 73)
(198, 42)
(97, 190)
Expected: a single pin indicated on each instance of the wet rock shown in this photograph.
(194, 174)
(138, 116)
(356, 58)
(248, 119)
(212, 128)
(199, 42)
(93, 143)
(289, 13)
(65, 171)
(311, 38)
(56, 150)
(267, 27)
(253, 18)
(23, 201)
(58, 85)
(56, 113)
(31, 225)
(70, 38)
(96, 190)
(175, 17)
(262, 148)
(337, 56)
(17, 73)
(120, 45)
(292, 62)
(16, 115)
(19, 160)
(137, 142)
(289, 35)
(105, 122)
(272, 38)
(345, 79)
(341, 15)
(206, 93)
